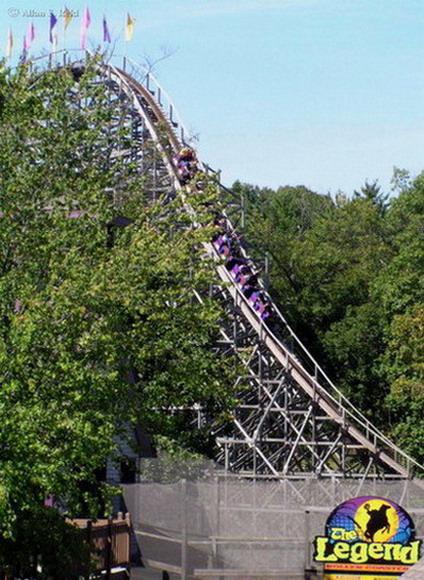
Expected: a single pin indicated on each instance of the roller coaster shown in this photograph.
(291, 420)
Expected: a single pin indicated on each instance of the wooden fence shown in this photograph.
(110, 542)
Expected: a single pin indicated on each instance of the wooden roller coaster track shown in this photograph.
(292, 420)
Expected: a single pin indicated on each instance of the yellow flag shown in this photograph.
(9, 44)
(129, 28)
(67, 17)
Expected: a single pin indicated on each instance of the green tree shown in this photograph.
(400, 285)
(349, 277)
(80, 314)
(43, 537)
(399, 288)
(325, 257)
(372, 191)
(405, 367)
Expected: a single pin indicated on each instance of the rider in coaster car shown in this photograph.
(243, 275)
(233, 261)
(253, 279)
(249, 291)
(187, 154)
(187, 164)
(224, 242)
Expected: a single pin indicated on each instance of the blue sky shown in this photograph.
(324, 93)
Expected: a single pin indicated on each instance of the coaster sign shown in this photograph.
(367, 538)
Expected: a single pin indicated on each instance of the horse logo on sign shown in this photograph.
(367, 536)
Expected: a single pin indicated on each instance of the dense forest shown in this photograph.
(348, 274)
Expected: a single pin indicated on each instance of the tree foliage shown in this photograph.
(348, 275)
(98, 325)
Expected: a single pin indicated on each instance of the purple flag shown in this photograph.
(86, 19)
(53, 22)
(31, 32)
(85, 23)
(106, 33)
